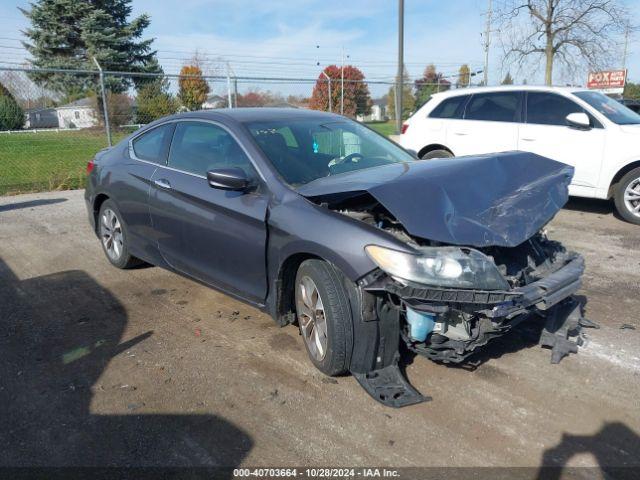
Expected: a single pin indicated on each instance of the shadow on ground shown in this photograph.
(57, 335)
(591, 205)
(615, 448)
(30, 204)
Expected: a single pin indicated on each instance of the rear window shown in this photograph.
(494, 107)
(450, 108)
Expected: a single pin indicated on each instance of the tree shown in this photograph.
(193, 89)
(632, 90)
(11, 115)
(464, 76)
(431, 82)
(408, 100)
(508, 79)
(154, 100)
(569, 31)
(68, 33)
(357, 99)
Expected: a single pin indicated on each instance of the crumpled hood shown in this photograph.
(500, 199)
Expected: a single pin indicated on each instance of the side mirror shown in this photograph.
(579, 120)
(233, 178)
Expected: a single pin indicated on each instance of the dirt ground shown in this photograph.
(144, 367)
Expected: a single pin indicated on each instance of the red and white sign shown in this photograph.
(611, 81)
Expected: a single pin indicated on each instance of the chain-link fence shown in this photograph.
(52, 122)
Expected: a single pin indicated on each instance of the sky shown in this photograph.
(287, 38)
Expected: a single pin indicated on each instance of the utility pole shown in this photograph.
(104, 102)
(400, 80)
(626, 46)
(329, 84)
(487, 43)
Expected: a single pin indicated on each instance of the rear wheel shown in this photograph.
(437, 154)
(324, 316)
(113, 236)
(627, 196)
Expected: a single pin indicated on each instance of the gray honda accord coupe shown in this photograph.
(321, 222)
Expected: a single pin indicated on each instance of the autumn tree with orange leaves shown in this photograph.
(357, 100)
(193, 89)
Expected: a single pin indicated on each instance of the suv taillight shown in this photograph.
(90, 166)
(404, 127)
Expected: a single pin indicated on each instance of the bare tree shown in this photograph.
(572, 32)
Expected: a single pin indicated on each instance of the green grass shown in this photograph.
(34, 162)
(383, 128)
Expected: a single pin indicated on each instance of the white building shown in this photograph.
(79, 114)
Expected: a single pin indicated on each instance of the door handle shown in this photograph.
(163, 183)
(461, 134)
(528, 139)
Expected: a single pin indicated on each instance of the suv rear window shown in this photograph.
(450, 108)
(494, 107)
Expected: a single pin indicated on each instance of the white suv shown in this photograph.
(595, 134)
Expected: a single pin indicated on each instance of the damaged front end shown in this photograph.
(449, 324)
(479, 262)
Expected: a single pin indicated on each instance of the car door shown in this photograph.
(131, 185)
(547, 133)
(217, 236)
(490, 124)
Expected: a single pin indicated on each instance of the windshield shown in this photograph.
(304, 150)
(610, 108)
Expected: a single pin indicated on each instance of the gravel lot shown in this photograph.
(144, 367)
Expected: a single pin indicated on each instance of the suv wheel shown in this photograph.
(437, 154)
(324, 316)
(627, 196)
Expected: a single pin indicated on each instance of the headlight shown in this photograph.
(440, 267)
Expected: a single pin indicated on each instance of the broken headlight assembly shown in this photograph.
(449, 267)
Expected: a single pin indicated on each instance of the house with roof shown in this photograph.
(78, 114)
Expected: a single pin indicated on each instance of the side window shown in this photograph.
(450, 108)
(494, 107)
(151, 145)
(198, 147)
(549, 109)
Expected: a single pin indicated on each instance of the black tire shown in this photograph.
(623, 209)
(337, 313)
(437, 154)
(124, 260)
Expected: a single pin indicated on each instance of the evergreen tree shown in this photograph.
(11, 115)
(68, 33)
(154, 99)
(508, 79)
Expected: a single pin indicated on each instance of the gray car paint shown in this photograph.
(196, 236)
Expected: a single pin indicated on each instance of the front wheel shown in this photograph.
(324, 316)
(627, 196)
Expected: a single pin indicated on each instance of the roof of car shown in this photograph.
(261, 114)
(501, 88)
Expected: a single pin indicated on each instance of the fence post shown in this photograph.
(104, 102)
(329, 84)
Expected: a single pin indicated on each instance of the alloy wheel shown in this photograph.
(311, 317)
(632, 197)
(111, 234)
